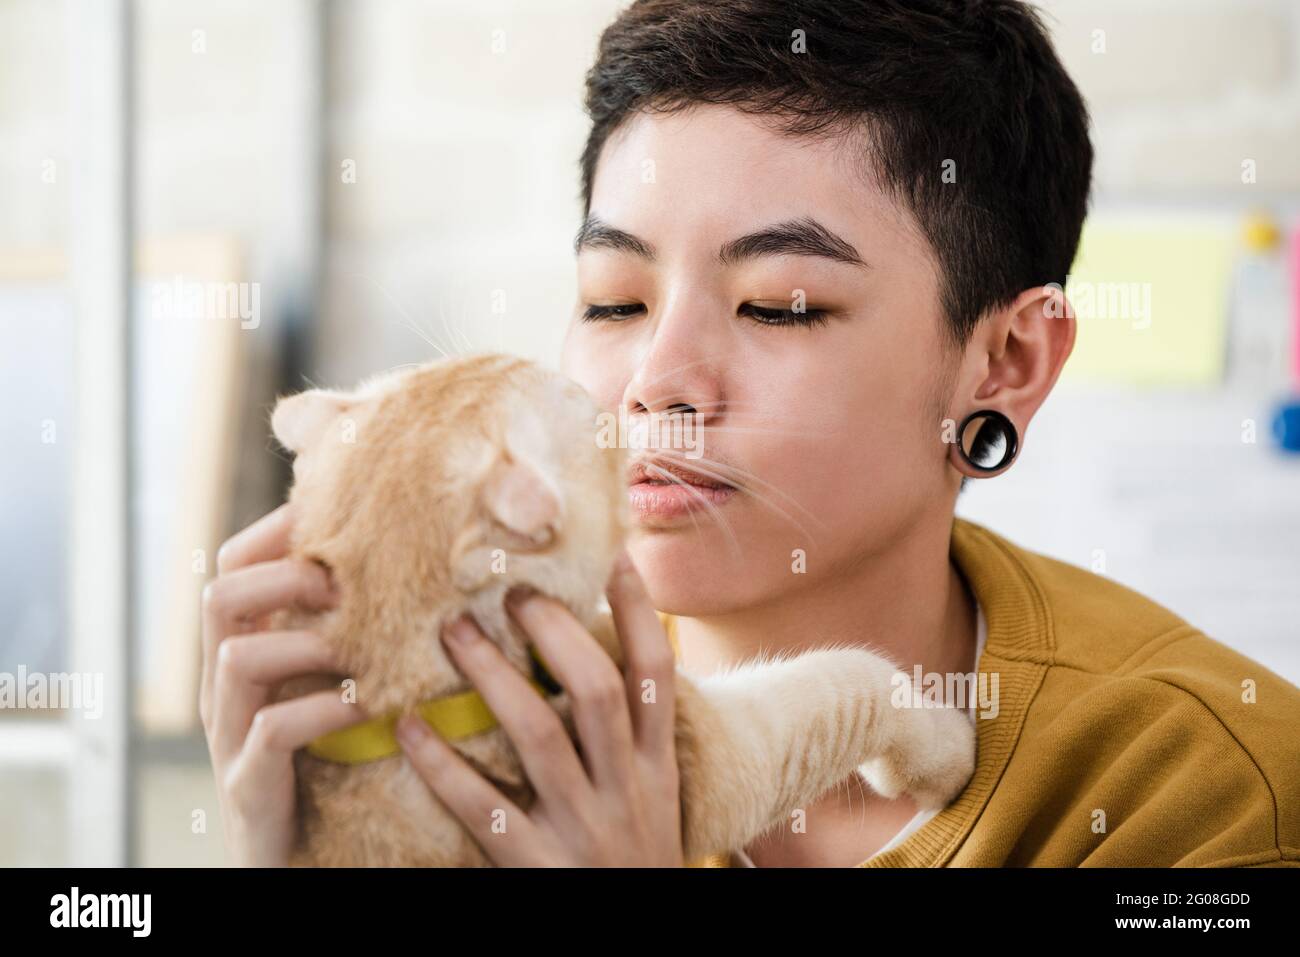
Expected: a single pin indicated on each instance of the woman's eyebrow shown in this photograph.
(595, 233)
(796, 237)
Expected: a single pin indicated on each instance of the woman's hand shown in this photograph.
(251, 742)
(617, 804)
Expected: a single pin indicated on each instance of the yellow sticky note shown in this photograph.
(1150, 296)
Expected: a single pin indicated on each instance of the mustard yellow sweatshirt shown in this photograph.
(1123, 735)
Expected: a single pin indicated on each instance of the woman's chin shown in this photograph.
(685, 579)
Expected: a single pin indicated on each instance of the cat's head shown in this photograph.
(433, 489)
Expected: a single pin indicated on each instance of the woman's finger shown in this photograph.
(247, 668)
(496, 823)
(531, 724)
(591, 680)
(650, 668)
(248, 593)
(231, 602)
(265, 540)
(282, 728)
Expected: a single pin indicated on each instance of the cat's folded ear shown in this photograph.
(299, 421)
(523, 511)
(523, 500)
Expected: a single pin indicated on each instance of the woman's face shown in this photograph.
(704, 227)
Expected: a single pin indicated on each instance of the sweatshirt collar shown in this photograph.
(1019, 649)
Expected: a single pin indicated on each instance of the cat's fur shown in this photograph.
(407, 488)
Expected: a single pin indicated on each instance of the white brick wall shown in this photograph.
(445, 130)
(465, 125)
(1185, 90)
(466, 158)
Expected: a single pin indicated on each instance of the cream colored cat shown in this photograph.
(411, 486)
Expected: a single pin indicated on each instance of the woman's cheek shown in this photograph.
(580, 362)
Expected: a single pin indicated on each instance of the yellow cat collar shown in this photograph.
(456, 716)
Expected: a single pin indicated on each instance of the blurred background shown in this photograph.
(301, 192)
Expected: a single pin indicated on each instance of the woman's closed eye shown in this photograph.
(616, 312)
(764, 315)
(775, 316)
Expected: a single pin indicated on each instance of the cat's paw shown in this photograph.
(931, 758)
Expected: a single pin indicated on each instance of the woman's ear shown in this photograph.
(1025, 346)
(299, 421)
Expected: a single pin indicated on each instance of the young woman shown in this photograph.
(826, 234)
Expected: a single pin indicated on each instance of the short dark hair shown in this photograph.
(972, 81)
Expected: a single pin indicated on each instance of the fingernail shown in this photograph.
(411, 730)
(516, 597)
(462, 631)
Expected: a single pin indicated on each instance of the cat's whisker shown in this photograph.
(734, 410)
(428, 339)
(729, 406)
(273, 447)
(414, 327)
(686, 365)
(442, 317)
(762, 499)
(747, 478)
(689, 514)
(801, 433)
(455, 346)
(458, 329)
(726, 526)
(465, 326)
(410, 323)
(462, 349)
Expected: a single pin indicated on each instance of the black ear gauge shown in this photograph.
(987, 440)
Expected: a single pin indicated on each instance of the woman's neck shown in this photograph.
(909, 602)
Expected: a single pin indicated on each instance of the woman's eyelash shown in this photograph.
(760, 314)
(785, 317)
(596, 313)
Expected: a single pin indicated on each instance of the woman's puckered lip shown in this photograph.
(644, 471)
